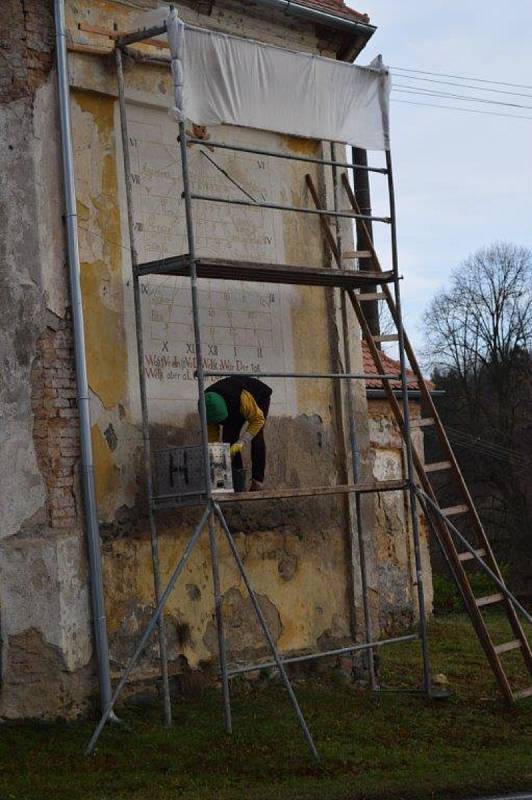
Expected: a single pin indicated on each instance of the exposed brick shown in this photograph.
(60, 520)
(40, 428)
(61, 513)
(60, 383)
(56, 402)
(67, 464)
(62, 503)
(69, 393)
(26, 47)
(63, 352)
(69, 451)
(69, 413)
(56, 433)
(63, 482)
(69, 433)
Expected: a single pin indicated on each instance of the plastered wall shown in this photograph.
(397, 601)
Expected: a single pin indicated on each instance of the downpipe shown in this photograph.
(87, 464)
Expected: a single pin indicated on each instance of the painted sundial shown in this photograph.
(245, 326)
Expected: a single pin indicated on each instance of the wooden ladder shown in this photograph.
(457, 560)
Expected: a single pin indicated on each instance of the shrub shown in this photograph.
(447, 598)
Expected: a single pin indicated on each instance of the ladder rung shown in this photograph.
(467, 556)
(453, 510)
(437, 466)
(489, 599)
(371, 296)
(423, 422)
(357, 254)
(389, 337)
(507, 646)
(523, 693)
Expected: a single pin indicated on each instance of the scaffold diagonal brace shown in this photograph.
(149, 628)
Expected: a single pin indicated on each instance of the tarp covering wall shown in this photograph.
(238, 82)
(226, 79)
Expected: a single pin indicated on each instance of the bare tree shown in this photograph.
(486, 315)
(479, 348)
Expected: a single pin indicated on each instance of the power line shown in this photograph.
(498, 457)
(405, 88)
(457, 442)
(465, 110)
(464, 85)
(484, 442)
(482, 445)
(464, 78)
(487, 448)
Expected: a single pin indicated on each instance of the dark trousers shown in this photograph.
(231, 432)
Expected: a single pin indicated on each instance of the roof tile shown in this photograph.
(335, 7)
(391, 366)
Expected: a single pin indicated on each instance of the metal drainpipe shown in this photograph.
(87, 466)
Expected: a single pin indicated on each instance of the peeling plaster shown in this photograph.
(22, 308)
(38, 685)
(43, 585)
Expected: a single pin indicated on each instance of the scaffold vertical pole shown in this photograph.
(154, 540)
(353, 439)
(215, 567)
(407, 433)
(176, 29)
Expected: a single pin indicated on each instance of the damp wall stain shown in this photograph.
(307, 602)
(100, 234)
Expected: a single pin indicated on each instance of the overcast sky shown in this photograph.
(462, 180)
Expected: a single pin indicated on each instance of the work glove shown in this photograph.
(237, 447)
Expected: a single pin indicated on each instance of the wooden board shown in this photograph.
(311, 491)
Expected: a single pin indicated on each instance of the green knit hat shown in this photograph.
(216, 407)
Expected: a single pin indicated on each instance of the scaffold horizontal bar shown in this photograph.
(365, 487)
(333, 375)
(312, 656)
(138, 36)
(323, 212)
(289, 156)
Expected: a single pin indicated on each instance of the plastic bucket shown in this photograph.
(239, 480)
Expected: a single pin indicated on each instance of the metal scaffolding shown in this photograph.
(353, 285)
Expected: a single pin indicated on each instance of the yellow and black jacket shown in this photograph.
(242, 396)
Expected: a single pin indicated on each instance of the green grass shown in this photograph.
(386, 745)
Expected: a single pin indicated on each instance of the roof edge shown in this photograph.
(357, 27)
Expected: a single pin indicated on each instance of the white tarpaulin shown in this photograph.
(225, 79)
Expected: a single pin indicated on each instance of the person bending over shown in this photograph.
(231, 403)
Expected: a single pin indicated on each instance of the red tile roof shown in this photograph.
(335, 7)
(391, 366)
